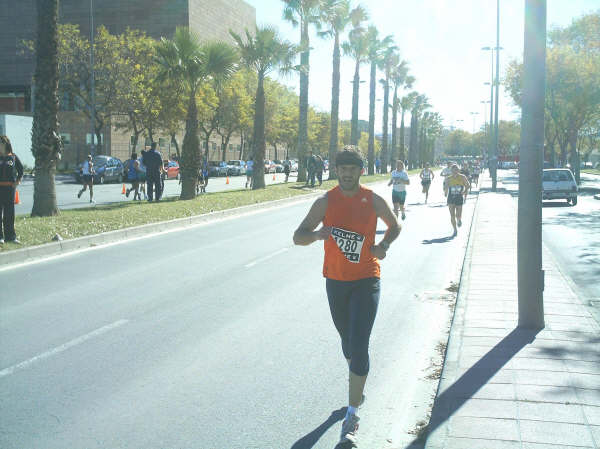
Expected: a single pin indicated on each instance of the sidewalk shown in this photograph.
(502, 387)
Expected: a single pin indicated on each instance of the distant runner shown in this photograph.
(446, 171)
(87, 177)
(426, 179)
(457, 189)
(349, 215)
(400, 181)
(249, 172)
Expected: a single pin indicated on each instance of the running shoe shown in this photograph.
(79, 194)
(349, 430)
(403, 216)
(1, 241)
(459, 223)
(455, 233)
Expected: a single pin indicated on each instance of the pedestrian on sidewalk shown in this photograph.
(311, 166)
(154, 167)
(11, 173)
(286, 168)
(249, 172)
(399, 179)
(133, 171)
(349, 214)
(320, 167)
(456, 190)
(87, 173)
(426, 179)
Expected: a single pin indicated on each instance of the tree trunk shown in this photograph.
(174, 141)
(190, 152)
(394, 150)
(575, 163)
(259, 137)
(412, 144)
(402, 144)
(335, 106)
(46, 144)
(303, 117)
(386, 105)
(371, 152)
(354, 134)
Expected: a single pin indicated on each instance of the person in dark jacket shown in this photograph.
(11, 173)
(311, 167)
(154, 167)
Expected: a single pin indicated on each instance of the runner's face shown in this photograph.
(349, 176)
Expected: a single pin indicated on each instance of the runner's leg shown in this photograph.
(452, 209)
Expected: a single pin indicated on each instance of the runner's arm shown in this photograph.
(306, 234)
(383, 211)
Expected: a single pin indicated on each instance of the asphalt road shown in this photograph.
(219, 336)
(66, 191)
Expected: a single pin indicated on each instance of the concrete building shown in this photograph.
(211, 19)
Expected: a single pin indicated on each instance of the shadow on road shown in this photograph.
(440, 240)
(310, 439)
(477, 376)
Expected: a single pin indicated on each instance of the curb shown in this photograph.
(55, 248)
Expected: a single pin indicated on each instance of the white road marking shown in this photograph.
(79, 340)
(262, 259)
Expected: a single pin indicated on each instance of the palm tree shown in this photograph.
(337, 15)
(357, 48)
(406, 104)
(389, 60)
(376, 46)
(420, 105)
(263, 53)
(45, 142)
(190, 62)
(399, 79)
(303, 13)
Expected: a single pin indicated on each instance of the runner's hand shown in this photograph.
(323, 233)
(378, 252)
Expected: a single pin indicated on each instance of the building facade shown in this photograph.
(210, 19)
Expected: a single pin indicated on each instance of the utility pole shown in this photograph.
(529, 248)
(495, 157)
(92, 81)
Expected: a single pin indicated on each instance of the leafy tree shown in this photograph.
(189, 62)
(46, 144)
(281, 117)
(336, 16)
(400, 80)
(303, 13)
(389, 60)
(263, 53)
(419, 106)
(406, 103)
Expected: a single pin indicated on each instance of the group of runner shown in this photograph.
(348, 214)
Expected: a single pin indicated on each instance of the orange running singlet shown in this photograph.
(348, 254)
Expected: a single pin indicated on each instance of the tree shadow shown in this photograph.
(310, 439)
(477, 376)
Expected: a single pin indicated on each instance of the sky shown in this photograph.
(441, 40)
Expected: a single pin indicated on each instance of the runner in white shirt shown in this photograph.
(447, 171)
(87, 177)
(400, 181)
(426, 178)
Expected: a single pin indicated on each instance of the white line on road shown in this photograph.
(262, 259)
(11, 369)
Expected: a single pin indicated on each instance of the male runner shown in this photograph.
(400, 180)
(426, 178)
(87, 177)
(349, 215)
(456, 190)
(446, 171)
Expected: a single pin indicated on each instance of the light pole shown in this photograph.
(495, 178)
(493, 152)
(529, 233)
(92, 81)
(474, 114)
(485, 126)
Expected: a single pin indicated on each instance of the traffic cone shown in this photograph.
(273, 176)
(227, 180)
(123, 191)
(17, 200)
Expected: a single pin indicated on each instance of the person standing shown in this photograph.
(426, 179)
(377, 165)
(133, 171)
(154, 167)
(349, 214)
(319, 168)
(456, 189)
(311, 166)
(11, 173)
(87, 177)
(249, 172)
(399, 180)
(286, 168)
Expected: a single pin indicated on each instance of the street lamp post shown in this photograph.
(493, 150)
(529, 233)
(485, 125)
(495, 178)
(92, 82)
(474, 114)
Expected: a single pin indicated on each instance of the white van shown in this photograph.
(559, 183)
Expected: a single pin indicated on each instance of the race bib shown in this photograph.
(350, 243)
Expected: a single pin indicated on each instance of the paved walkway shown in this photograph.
(502, 387)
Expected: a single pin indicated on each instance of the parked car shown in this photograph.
(559, 183)
(171, 170)
(106, 168)
(236, 167)
(213, 168)
(269, 166)
(278, 166)
(294, 165)
(223, 169)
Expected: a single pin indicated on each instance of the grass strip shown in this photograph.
(73, 223)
